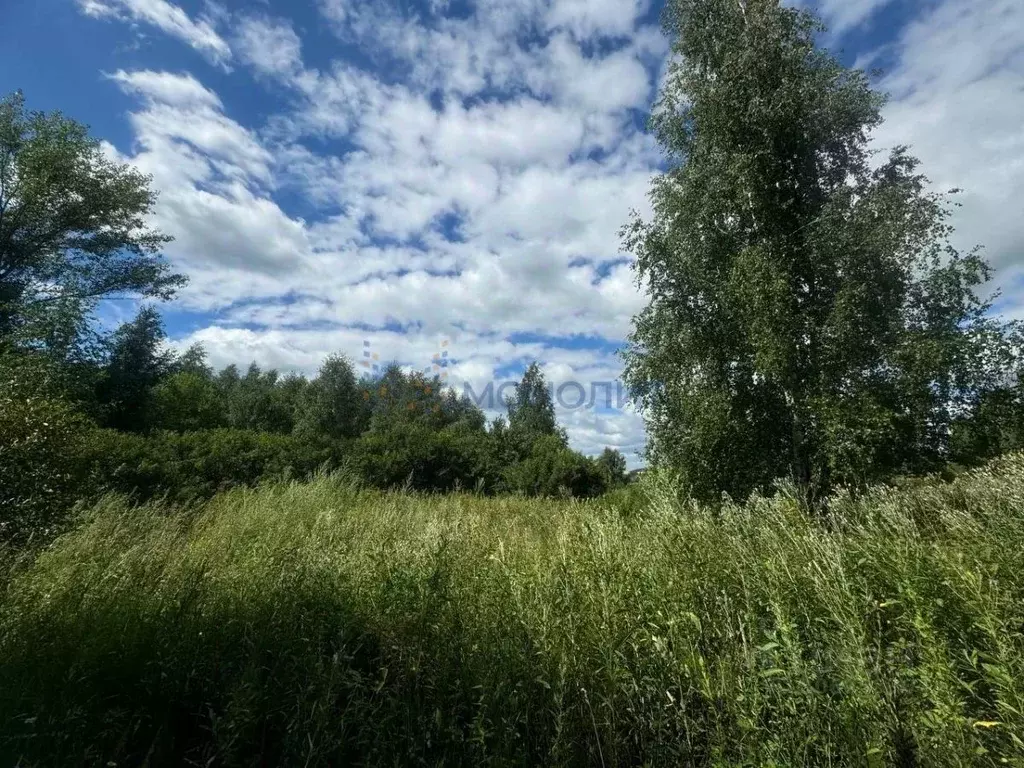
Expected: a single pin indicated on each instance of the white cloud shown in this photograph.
(534, 216)
(229, 235)
(175, 90)
(270, 46)
(614, 82)
(183, 116)
(167, 17)
(591, 18)
(957, 101)
(240, 231)
(335, 10)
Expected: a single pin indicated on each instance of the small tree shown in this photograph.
(531, 413)
(332, 406)
(193, 360)
(188, 401)
(137, 363)
(612, 466)
(257, 401)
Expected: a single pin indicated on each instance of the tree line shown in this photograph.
(141, 420)
(85, 412)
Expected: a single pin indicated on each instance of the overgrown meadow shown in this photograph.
(321, 624)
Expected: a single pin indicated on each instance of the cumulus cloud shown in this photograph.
(186, 118)
(212, 173)
(594, 18)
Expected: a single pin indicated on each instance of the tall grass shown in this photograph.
(322, 625)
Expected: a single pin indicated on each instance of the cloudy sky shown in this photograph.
(410, 172)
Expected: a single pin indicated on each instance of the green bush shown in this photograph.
(196, 465)
(411, 454)
(40, 471)
(189, 401)
(552, 469)
(416, 456)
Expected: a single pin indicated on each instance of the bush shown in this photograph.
(552, 469)
(188, 401)
(416, 456)
(196, 465)
(40, 468)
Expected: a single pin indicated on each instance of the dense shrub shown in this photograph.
(41, 436)
(189, 401)
(993, 427)
(416, 456)
(413, 455)
(552, 469)
(40, 470)
(184, 467)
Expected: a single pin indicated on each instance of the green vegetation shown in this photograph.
(165, 427)
(87, 411)
(203, 567)
(808, 317)
(72, 230)
(316, 624)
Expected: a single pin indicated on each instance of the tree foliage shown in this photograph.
(332, 405)
(41, 436)
(807, 315)
(531, 413)
(188, 401)
(258, 401)
(552, 469)
(72, 227)
(137, 363)
(612, 465)
(185, 467)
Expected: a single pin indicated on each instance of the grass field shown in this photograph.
(321, 625)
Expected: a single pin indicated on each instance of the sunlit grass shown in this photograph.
(322, 625)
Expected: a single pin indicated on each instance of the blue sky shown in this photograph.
(407, 172)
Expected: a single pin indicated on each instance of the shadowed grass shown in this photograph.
(321, 625)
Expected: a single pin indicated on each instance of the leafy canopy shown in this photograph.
(807, 316)
(73, 227)
(531, 413)
(137, 363)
